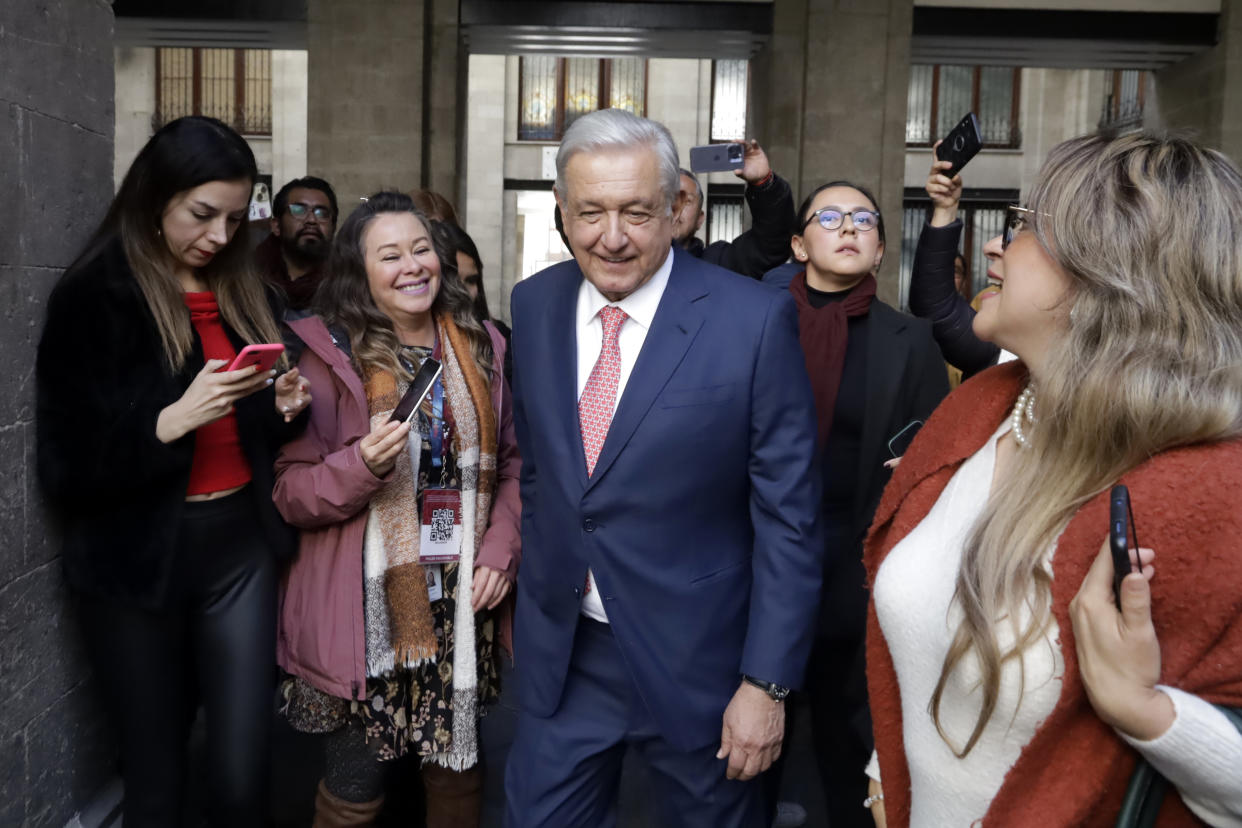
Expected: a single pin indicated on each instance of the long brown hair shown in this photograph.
(1146, 229)
(344, 296)
(180, 156)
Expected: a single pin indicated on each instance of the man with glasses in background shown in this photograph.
(303, 222)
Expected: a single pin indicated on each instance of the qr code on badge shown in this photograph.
(441, 525)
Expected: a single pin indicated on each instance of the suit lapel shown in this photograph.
(886, 351)
(676, 323)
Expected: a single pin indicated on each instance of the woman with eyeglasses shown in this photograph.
(159, 462)
(1009, 685)
(876, 375)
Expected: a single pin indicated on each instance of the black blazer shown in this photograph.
(906, 380)
(101, 384)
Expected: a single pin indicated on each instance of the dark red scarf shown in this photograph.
(824, 333)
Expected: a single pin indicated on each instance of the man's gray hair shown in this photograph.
(618, 129)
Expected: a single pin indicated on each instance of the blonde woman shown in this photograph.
(1006, 687)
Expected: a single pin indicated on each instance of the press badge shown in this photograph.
(440, 537)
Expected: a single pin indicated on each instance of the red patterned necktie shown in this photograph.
(598, 398)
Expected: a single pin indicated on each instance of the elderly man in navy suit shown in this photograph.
(671, 564)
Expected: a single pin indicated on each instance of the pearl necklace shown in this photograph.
(1023, 411)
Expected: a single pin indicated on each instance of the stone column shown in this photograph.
(1202, 93)
(830, 90)
(288, 116)
(56, 130)
(483, 213)
(365, 95)
(384, 92)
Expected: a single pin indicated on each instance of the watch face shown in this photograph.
(778, 693)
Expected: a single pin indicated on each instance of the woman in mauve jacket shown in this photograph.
(391, 651)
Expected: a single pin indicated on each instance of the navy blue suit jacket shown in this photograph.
(700, 521)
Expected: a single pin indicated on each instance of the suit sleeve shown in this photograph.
(784, 505)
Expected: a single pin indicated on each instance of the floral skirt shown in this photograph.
(406, 709)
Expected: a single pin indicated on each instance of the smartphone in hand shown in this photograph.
(261, 356)
(717, 157)
(961, 144)
(1121, 537)
(427, 374)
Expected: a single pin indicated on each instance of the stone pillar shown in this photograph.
(483, 213)
(365, 95)
(56, 128)
(384, 93)
(135, 105)
(1201, 93)
(830, 90)
(288, 116)
(445, 82)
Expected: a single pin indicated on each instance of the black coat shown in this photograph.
(906, 380)
(101, 384)
(766, 244)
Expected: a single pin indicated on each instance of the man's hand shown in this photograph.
(755, 166)
(751, 735)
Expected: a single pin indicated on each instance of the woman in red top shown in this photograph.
(161, 466)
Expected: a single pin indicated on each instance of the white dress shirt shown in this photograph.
(640, 306)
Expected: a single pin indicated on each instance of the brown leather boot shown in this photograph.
(333, 812)
(454, 798)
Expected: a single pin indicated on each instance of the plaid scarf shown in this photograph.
(400, 628)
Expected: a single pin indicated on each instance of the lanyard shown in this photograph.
(437, 423)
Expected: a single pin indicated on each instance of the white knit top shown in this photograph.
(1201, 753)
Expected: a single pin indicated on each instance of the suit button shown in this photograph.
(588, 525)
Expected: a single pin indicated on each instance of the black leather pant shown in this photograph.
(214, 644)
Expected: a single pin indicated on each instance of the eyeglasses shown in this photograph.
(1016, 220)
(830, 218)
(299, 211)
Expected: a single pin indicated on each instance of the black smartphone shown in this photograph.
(717, 157)
(961, 144)
(1122, 537)
(419, 386)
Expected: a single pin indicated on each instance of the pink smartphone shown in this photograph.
(261, 356)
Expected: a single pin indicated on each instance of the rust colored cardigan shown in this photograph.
(1188, 507)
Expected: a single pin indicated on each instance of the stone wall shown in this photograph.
(56, 130)
(830, 89)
